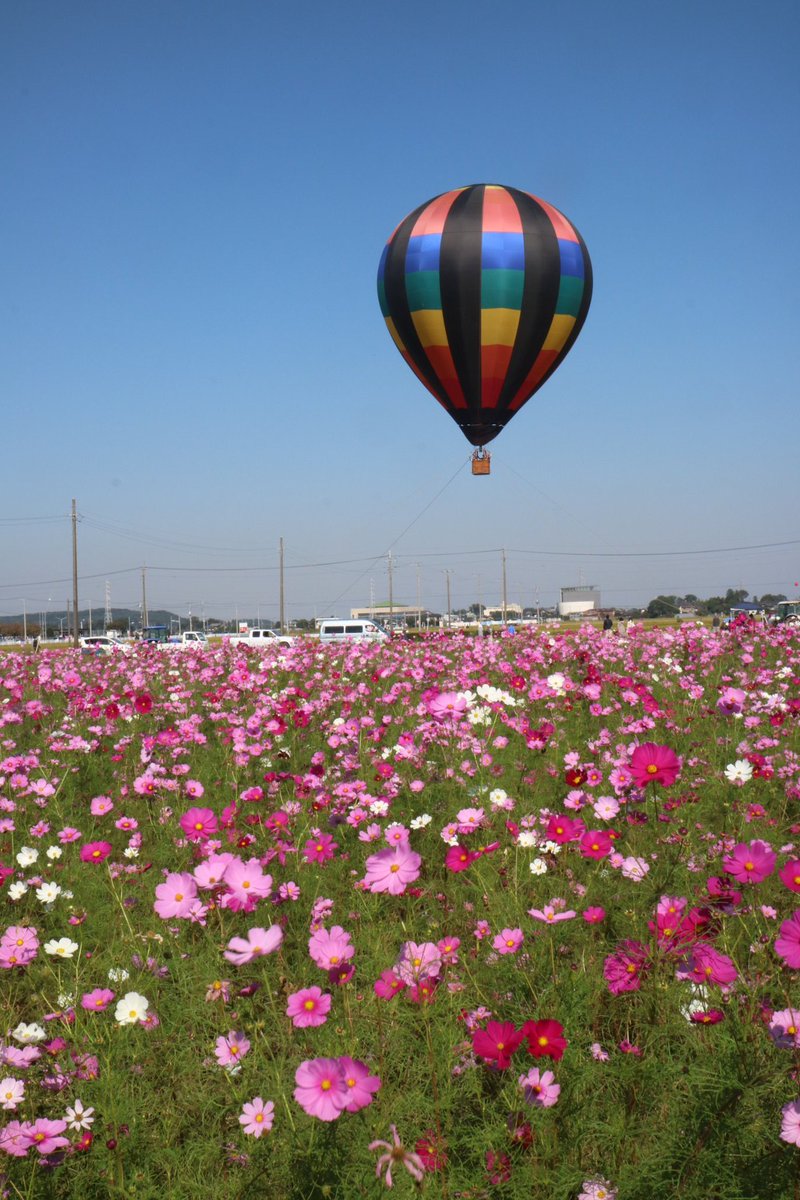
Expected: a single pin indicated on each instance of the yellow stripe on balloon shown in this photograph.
(499, 326)
(560, 329)
(429, 324)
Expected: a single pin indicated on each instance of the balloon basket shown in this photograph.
(481, 462)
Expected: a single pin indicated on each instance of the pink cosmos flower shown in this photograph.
(650, 763)
(564, 829)
(551, 915)
(199, 824)
(392, 869)
(790, 1123)
(784, 1028)
(95, 852)
(321, 1090)
(12, 1093)
(257, 1117)
(97, 1000)
(594, 914)
(45, 1135)
(597, 1189)
(447, 706)
(459, 858)
(540, 1088)
(508, 941)
(787, 945)
(257, 943)
(731, 701)
(247, 882)
(230, 1050)
(397, 1155)
(308, 1007)
(210, 874)
(175, 896)
(418, 962)
(750, 864)
(361, 1086)
(329, 948)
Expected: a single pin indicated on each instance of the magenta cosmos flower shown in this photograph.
(650, 763)
(418, 961)
(95, 852)
(508, 941)
(199, 824)
(787, 945)
(45, 1135)
(308, 1007)
(750, 863)
(497, 1042)
(97, 1000)
(321, 1090)
(623, 969)
(790, 1122)
(257, 1116)
(246, 881)
(391, 870)
(257, 943)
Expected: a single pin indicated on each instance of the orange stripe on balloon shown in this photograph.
(561, 225)
(441, 360)
(494, 368)
(434, 215)
(500, 213)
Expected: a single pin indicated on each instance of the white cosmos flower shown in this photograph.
(12, 1093)
(27, 856)
(538, 867)
(78, 1117)
(740, 771)
(17, 890)
(62, 947)
(132, 1008)
(28, 1034)
(118, 974)
(48, 892)
(54, 852)
(421, 821)
(527, 839)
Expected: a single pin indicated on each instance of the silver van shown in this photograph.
(339, 629)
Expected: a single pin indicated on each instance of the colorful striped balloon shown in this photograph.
(484, 290)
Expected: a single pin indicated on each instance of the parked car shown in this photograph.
(101, 643)
(260, 637)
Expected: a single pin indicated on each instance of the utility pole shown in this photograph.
(505, 589)
(107, 618)
(75, 570)
(419, 601)
(25, 621)
(391, 592)
(282, 597)
(145, 617)
(449, 605)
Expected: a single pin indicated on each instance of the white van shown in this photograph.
(339, 629)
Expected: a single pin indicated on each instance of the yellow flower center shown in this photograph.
(309, 1006)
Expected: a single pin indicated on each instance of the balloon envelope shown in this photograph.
(484, 290)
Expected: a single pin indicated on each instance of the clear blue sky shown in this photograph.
(195, 201)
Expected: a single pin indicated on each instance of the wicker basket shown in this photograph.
(481, 462)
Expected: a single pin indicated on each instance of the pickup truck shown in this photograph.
(260, 637)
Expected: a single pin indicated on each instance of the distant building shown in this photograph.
(513, 612)
(577, 600)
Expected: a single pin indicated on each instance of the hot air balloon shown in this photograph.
(484, 290)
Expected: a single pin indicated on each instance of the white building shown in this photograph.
(577, 600)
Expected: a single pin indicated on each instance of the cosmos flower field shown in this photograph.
(461, 917)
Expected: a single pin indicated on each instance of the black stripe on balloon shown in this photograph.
(539, 295)
(586, 300)
(460, 282)
(394, 282)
